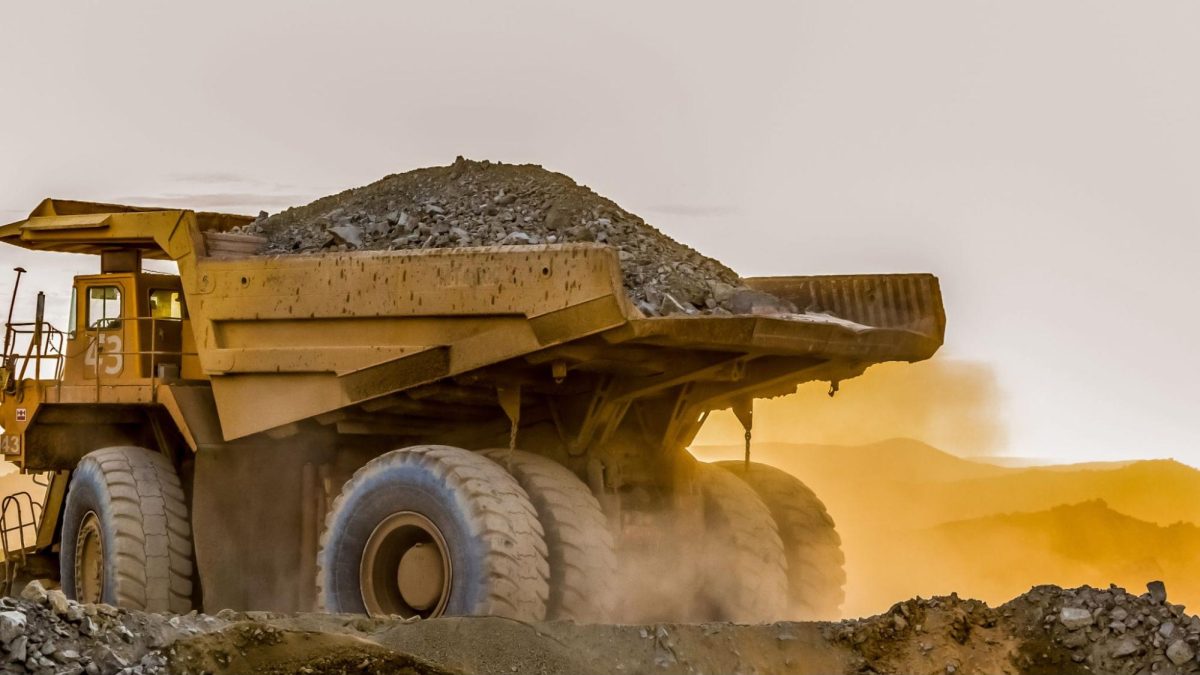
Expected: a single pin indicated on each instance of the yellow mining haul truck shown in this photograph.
(419, 433)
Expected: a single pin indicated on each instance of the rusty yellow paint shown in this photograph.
(287, 338)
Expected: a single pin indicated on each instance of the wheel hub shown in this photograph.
(405, 568)
(89, 560)
(420, 576)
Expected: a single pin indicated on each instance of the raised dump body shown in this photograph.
(303, 374)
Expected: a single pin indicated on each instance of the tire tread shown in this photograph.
(153, 570)
(583, 562)
(498, 509)
(816, 563)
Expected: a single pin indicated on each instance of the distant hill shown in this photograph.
(1157, 491)
(931, 483)
(1011, 462)
(897, 459)
(1070, 545)
(918, 521)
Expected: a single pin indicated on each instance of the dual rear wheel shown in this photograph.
(435, 530)
(812, 549)
(432, 530)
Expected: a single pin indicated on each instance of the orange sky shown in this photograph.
(1042, 158)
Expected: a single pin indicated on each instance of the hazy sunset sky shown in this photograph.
(1042, 158)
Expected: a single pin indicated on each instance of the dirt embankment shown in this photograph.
(1047, 630)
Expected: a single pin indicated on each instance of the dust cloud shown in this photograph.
(949, 403)
(918, 518)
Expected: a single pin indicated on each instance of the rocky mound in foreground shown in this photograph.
(484, 203)
(1047, 630)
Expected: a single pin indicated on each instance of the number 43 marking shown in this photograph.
(112, 362)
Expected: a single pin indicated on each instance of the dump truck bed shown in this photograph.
(359, 326)
(336, 331)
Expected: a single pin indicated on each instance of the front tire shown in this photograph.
(127, 538)
(433, 530)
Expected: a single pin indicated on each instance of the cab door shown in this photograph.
(162, 334)
(105, 330)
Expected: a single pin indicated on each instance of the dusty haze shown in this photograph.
(1041, 158)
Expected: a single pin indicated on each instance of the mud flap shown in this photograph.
(248, 522)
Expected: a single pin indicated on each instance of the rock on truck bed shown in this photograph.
(482, 203)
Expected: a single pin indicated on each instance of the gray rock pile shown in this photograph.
(1047, 630)
(1112, 631)
(472, 203)
(43, 632)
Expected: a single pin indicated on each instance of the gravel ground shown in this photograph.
(1047, 630)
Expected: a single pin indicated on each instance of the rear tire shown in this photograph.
(816, 564)
(744, 574)
(127, 538)
(579, 545)
(487, 531)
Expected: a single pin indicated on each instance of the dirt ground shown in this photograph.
(1046, 630)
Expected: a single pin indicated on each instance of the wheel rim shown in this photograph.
(405, 568)
(89, 560)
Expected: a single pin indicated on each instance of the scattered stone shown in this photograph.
(1180, 653)
(34, 592)
(1158, 592)
(44, 632)
(58, 602)
(1075, 618)
(348, 234)
(12, 624)
(18, 649)
(1126, 646)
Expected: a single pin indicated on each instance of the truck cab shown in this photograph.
(127, 332)
(125, 326)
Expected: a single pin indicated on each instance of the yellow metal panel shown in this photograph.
(252, 403)
(287, 338)
(56, 494)
(43, 223)
(300, 360)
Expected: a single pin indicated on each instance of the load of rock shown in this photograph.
(473, 203)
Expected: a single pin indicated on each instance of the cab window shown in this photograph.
(73, 314)
(104, 308)
(166, 304)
